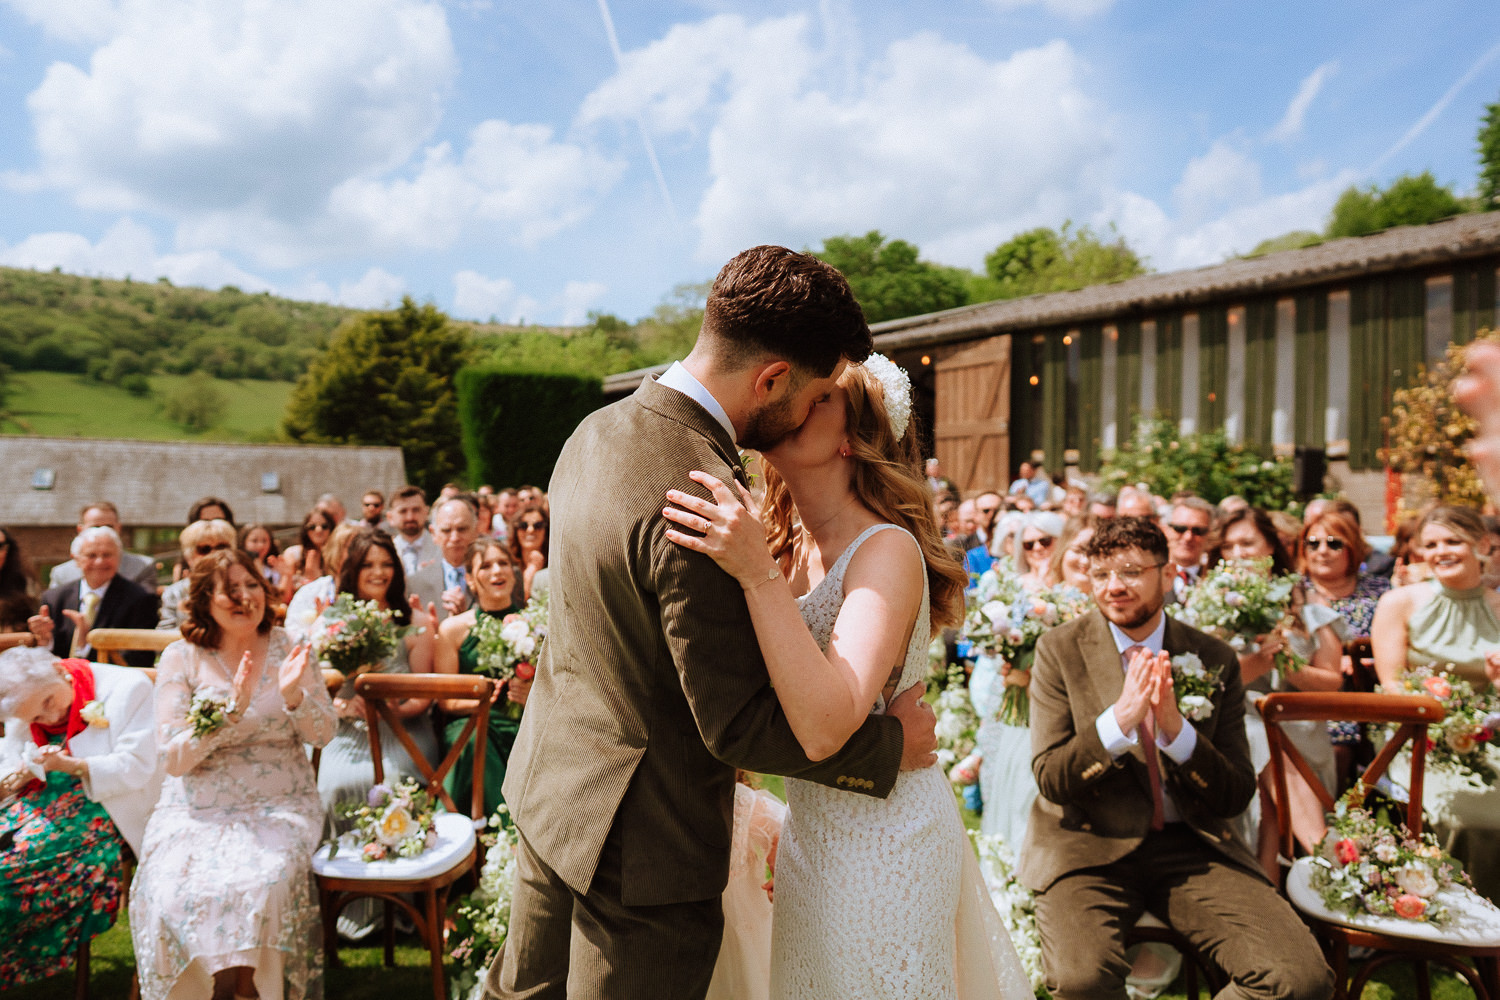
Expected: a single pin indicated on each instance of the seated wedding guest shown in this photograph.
(304, 561)
(1036, 538)
(371, 571)
(18, 588)
(1315, 639)
(1070, 562)
(90, 783)
(1075, 501)
(1102, 505)
(1451, 621)
(492, 575)
(196, 541)
(1288, 529)
(506, 509)
(330, 504)
(103, 514)
(315, 595)
(371, 510)
(1135, 801)
(102, 598)
(1187, 528)
(210, 509)
(1134, 502)
(441, 582)
(528, 545)
(1231, 504)
(1407, 565)
(222, 902)
(258, 540)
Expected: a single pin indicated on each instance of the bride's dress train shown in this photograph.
(882, 898)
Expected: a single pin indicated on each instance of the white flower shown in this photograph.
(1417, 880)
(395, 826)
(93, 714)
(1195, 707)
(514, 632)
(1189, 664)
(998, 612)
(895, 387)
(1386, 851)
(525, 645)
(1237, 643)
(1234, 599)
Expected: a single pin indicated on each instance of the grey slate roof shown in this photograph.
(154, 482)
(1437, 243)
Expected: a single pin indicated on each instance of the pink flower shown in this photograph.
(1346, 851)
(512, 617)
(525, 671)
(374, 851)
(1410, 907)
(1438, 687)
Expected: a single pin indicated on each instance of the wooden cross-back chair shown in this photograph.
(1471, 951)
(342, 879)
(113, 643)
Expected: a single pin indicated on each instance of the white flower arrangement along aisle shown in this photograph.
(481, 920)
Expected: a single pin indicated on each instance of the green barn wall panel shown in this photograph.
(1312, 369)
(1260, 371)
(1213, 366)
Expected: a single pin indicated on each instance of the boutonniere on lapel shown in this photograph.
(93, 714)
(747, 468)
(1194, 685)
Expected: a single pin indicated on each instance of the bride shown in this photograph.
(875, 898)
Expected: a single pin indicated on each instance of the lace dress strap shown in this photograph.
(842, 563)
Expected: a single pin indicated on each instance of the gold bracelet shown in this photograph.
(771, 574)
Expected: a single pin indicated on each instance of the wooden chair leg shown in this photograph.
(327, 902)
(81, 973)
(434, 937)
(1423, 973)
(1339, 953)
(1190, 977)
(388, 934)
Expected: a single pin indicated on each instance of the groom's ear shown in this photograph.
(769, 377)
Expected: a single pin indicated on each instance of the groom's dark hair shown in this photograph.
(771, 300)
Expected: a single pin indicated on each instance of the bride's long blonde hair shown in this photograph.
(888, 479)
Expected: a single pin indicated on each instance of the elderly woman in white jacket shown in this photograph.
(81, 775)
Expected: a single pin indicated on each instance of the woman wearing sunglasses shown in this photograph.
(528, 547)
(197, 540)
(1036, 538)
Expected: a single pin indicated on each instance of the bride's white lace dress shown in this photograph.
(882, 898)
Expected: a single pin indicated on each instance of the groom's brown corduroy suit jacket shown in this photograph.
(651, 689)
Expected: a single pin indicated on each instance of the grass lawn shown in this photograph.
(55, 404)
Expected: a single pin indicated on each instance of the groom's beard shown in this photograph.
(768, 426)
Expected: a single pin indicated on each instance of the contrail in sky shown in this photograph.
(1433, 112)
(640, 120)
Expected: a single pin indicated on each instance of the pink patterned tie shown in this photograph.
(1146, 733)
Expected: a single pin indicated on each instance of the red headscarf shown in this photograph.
(81, 674)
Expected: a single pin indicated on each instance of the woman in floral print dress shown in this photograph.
(223, 899)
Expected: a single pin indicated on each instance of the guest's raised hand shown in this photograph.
(1135, 698)
(242, 687)
(455, 601)
(1164, 701)
(1492, 666)
(290, 678)
(41, 625)
(517, 689)
(80, 625)
(918, 728)
(731, 531)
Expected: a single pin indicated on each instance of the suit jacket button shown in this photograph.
(1088, 826)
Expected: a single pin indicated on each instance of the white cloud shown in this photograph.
(932, 142)
(378, 289)
(1221, 177)
(72, 20)
(1290, 125)
(1075, 10)
(128, 248)
(476, 296)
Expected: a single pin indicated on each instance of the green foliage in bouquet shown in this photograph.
(1004, 620)
(515, 422)
(508, 647)
(1205, 464)
(1460, 743)
(352, 635)
(1238, 601)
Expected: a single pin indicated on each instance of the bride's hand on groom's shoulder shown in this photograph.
(729, 529)
(918, 728)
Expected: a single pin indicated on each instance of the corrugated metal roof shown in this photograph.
(154, 482)
(1456, 239)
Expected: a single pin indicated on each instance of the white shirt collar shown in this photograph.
(1152, 642)
(679, 378)
(84, 590)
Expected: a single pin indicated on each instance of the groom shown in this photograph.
(652, 689)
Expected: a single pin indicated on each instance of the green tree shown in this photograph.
(1489, 158)
(1048, 260)
(387, 379)
(198, 404)
(889, 279)
(1408, 201)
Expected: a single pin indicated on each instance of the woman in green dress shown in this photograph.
(492, 572)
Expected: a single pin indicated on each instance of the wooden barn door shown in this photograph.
(972, 425)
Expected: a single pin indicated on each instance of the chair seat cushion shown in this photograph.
(1474, 923)
(455, 839)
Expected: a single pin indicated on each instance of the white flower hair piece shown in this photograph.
(895, 384)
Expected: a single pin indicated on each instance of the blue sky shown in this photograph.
(497, 158)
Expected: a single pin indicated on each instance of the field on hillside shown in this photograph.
(55, 404)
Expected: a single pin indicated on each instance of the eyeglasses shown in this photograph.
(1130, 576)
(204, 550)
(1184, 528)
(1037, 543)
(530, 526)
(1332, 544)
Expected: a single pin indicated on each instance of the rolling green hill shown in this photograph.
(57, 404)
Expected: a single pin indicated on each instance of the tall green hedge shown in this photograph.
(514, 423)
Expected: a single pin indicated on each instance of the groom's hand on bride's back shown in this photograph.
(918, 728)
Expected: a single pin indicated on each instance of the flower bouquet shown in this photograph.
(1008, 621)
(1239, 600)
(1015, 903)
(1460, 743)
(207, 713)
(507, 648)
(957, 725)
(481, 919)
(1367, 865)
(351, 636)
(1194, 685)
(392, 823)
